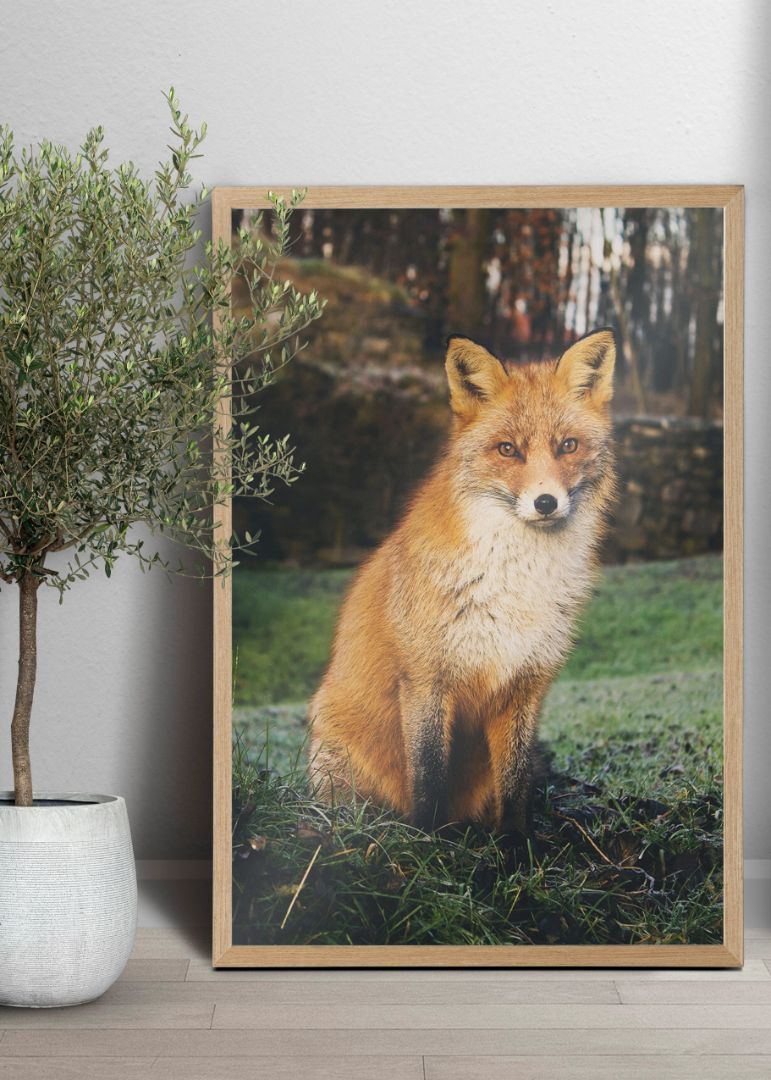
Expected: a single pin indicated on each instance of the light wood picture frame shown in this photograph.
(729, 953)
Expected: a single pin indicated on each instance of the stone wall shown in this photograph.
(366, 449)
(671, 490)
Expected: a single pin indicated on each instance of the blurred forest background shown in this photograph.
(366, 401)
(527, 282)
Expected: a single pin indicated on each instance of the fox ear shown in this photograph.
(585, 370)
(475, 375)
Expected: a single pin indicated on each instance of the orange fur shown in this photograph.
(453, 630)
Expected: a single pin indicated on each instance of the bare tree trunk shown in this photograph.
(25, 689)
(466, 291)
(630, 356)
(707, 289)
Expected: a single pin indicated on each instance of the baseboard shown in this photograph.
(173, 869)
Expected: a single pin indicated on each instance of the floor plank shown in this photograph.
(170, 1015)
(266, 1068)
(615, 1068)
(156, 970)
(282, 1068)
(112, 1012)
(695, 992)
(296, 1042)
(202, 971)
(453, 990)
(291, 1043)
(235, 1015)
(152, 943)
(75, 1068)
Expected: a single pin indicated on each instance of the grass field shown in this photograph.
(628, 839)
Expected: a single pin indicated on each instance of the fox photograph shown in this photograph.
(477, 663)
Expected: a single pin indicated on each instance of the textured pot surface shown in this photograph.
(68, 898)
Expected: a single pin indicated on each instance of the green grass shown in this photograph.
(628, 818)
(652, 617)
(282, 625)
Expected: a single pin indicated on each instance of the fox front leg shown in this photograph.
(511, 741)
(426, 736)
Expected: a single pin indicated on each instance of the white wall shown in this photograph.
(391, 92)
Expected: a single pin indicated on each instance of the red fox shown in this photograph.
(455, 627)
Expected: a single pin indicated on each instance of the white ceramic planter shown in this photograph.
(68, 898)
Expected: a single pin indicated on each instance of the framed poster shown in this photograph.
(478, 698)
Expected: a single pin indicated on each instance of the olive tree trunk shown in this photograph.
(25, 689)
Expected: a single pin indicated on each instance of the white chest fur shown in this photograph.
(515, 594)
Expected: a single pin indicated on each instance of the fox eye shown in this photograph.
(508, 449)
(568, 446)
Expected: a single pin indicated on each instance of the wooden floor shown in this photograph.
(171, 1016)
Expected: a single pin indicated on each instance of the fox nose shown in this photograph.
(545, 504)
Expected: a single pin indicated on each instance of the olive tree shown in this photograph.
(127, 386)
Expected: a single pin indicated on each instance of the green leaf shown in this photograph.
(109, 363)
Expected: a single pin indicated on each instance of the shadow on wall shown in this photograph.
(168, 676)
(755, 136)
